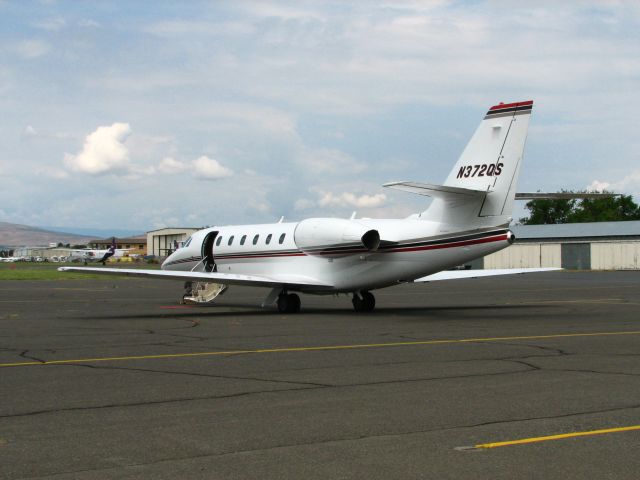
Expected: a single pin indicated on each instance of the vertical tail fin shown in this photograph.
(491, 163)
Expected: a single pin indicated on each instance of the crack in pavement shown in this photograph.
(195, 374)
(152, 402)
(24, 355)
(257, 392)
(351, 438)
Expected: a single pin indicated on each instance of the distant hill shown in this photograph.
(13, 234)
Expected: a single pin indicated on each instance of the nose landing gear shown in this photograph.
(364, 301)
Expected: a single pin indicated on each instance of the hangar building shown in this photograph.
(574, 246)
(135, 245)
(163, 241)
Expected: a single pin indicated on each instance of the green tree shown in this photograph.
(548, 211)
(604, 209)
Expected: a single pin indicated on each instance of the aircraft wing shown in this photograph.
(213, 277)
(564, 196)
(459, 274)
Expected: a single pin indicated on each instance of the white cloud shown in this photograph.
(629, 184)
(327, 160)
(255, 115)
(303, 204)
(31, 49)
(206, 168)
(29, 131)
(598, 186)
(103, 152)
(348, 199)
(169, 165)
(52, 24)
(177, 28)
(88, 23)
(52, 172)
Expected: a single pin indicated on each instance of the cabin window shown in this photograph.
(255, 239)
(281, 238)
(268, 241)
(230, 240)
(218, 241)
(242, 240)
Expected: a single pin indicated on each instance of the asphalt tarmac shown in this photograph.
(140, 387)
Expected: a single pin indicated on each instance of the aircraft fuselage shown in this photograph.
(408, 249)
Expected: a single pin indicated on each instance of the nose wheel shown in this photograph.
(288, 303)
(363, 301)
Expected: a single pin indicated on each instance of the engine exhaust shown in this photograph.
(371, 240)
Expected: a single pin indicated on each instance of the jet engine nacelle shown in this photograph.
(335, 237)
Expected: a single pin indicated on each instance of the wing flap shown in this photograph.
(461, 274)
(215, 277)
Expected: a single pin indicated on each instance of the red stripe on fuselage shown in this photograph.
(463, 243)
(450, 245)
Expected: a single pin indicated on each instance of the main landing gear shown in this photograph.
(288, 303)
(363, 301)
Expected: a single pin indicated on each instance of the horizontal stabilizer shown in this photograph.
(460, 274)
(215, 277)
(563, 196)
(435, 191)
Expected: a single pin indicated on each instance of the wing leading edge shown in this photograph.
(214, 277)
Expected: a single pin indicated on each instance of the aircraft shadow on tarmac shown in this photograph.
(251, 310)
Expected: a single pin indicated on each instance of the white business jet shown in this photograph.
(468, 219)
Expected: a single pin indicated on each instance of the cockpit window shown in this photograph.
(186, 244)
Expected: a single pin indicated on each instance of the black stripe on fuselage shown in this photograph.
(355, 249)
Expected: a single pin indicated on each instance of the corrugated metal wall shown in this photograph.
(572, 256)
(615, 256)
(525, 255)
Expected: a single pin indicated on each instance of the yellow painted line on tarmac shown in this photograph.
(562, 436)
(319, 348)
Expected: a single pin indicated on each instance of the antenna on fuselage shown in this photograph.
(281, 219)
(353, 215)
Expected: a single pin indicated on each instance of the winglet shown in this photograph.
(516, 108)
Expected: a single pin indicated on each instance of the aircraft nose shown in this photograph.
(167, 261)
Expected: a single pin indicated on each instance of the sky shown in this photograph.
(141, 115)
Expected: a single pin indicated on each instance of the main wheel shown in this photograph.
(365, 302)
(294, 303)
(369, 301)
(288, 303)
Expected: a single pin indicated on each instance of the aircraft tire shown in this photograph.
(283, 303)
(369, 301)
(289, 303)
(366, 302)
(294, 303)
